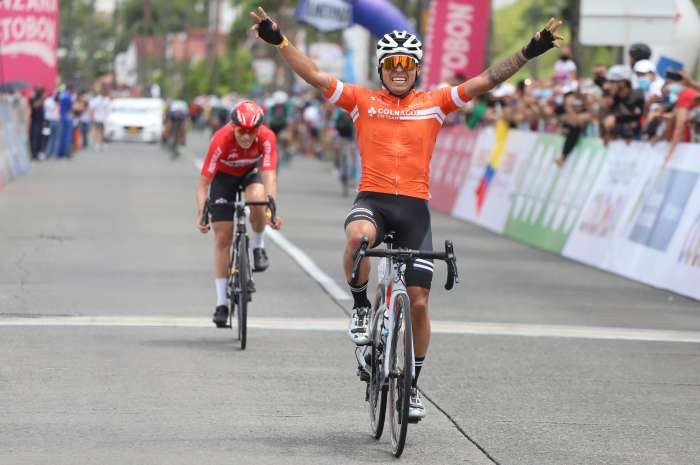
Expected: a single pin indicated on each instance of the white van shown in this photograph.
(135, 119)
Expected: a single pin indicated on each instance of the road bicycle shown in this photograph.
(386, 364)
(240, 284)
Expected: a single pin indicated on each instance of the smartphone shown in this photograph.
(672, 76)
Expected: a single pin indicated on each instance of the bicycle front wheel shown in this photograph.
(242, 297)
(400, 372)
(376, 387)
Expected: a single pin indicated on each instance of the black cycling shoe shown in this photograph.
(260, 261)
(221, 316)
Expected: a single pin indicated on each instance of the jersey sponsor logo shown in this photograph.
(241, 162)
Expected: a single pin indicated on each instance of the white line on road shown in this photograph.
(302, 259)
(340, 324)
(308, 265)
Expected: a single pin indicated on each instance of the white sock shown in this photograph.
(221, 298)
(258, 239)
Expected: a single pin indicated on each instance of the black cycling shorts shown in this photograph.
(223, 189)
(409, 217)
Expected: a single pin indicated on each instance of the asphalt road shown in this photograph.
(109, 357)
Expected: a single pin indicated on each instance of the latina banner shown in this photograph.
(456, 39)
(29, 42)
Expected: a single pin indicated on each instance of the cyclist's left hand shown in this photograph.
(278, 222)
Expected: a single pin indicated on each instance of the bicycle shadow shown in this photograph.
(207, 344)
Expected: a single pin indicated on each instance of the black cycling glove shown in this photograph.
(537, 47)
(268, 34)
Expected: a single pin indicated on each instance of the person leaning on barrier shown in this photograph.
(684, 116)
(626, 106)
(575, 116)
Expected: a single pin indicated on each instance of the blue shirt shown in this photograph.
(66, 104)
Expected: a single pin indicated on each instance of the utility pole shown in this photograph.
(212, 41)
(91, 72)
(534, 19)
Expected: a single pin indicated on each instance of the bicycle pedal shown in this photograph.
(364, 376)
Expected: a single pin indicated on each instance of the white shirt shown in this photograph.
(563, 70)
(50, 109)
(99, 107)
(312, 116)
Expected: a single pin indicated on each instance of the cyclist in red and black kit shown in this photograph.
(244, 151)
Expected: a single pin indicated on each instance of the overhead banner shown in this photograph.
(29, 42)
(325, 15)
(456, 39)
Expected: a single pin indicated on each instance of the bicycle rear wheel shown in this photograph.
(376, 386)
(242, 295)
(400, 373)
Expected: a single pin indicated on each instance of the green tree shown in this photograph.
(85, 42)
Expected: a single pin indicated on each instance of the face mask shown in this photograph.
(644, 83)
(564, 57)
(546, 93)
(675, 89)
(599, 81)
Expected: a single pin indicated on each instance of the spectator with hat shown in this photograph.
(647, 79)
(623, 117)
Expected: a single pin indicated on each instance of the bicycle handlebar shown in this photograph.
(408, 255)
(270, 203)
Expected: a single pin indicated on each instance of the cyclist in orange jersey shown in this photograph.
(396, 129)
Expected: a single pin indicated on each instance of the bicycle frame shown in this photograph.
(390, 273)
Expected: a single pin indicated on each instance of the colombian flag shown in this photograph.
(493, 165)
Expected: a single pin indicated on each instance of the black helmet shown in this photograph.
(640, 51)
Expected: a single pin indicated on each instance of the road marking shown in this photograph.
(340, 324)
(308, 265)
(299, 256)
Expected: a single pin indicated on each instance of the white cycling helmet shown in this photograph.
(399, 43)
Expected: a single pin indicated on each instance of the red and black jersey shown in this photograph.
(225, 155)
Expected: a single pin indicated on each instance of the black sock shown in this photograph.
(359, 295)
(418, 364)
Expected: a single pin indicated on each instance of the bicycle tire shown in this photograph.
(401, 370)
(242, 297)
(376, 386)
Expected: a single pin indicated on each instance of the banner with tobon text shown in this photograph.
(29, 42)
(618, 208)
(455, 40)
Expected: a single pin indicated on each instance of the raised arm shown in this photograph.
(301, 64)
(500, 72)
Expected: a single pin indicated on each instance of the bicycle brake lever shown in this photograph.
(451, 260)
(359, 254)
(273, 209)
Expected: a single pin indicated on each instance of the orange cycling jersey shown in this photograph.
(396, 136)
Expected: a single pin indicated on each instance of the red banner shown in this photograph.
(29, 41)
(456, 39)
(450, 164)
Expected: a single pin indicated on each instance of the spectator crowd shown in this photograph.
(630, 103)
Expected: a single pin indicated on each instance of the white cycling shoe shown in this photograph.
(416, 411)
(358, 330)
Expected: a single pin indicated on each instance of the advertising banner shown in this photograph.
(14, 152)
(450, 164)
(325, 15)
(456, 39)
(548, 200)
(486, 196)
(29, 42)
(617, 207)
(611, 203)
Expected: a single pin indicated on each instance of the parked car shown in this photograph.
(135, 119)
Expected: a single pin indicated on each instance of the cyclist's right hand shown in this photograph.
(203, 228)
